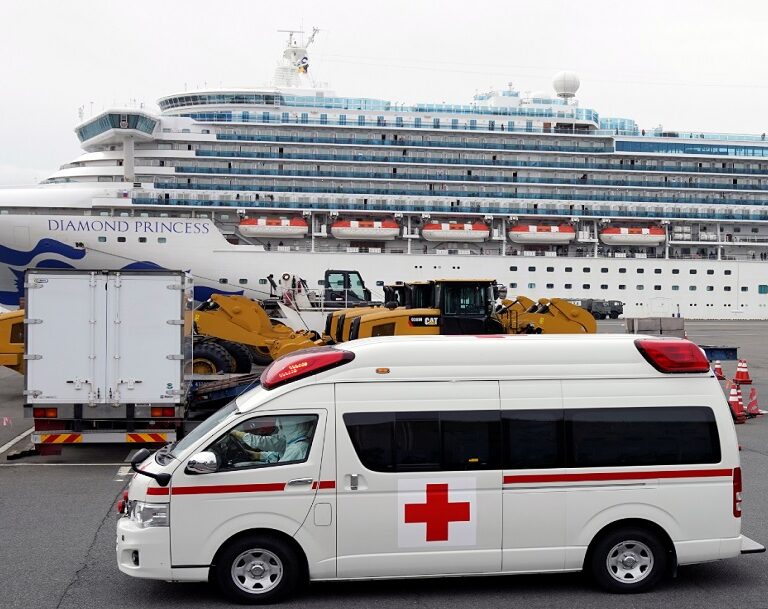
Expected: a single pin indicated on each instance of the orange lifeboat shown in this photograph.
(633, 235)
(561, 234)
(366, 230)
(452, 231)
(285, 228)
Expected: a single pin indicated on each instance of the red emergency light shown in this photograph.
(302, 364)
(673, 355)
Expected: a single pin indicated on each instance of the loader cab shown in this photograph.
(466, 306)
(420, 295)
(345, 289)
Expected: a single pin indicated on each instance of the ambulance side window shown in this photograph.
(533, 439)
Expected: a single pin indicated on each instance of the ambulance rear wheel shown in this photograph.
(258, 569)
(628, 560)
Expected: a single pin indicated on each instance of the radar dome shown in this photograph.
(566, 84)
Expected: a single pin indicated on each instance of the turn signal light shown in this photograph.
(45, 413)
(304, 363)
(737, 492)
(162, 411)
(673, 355)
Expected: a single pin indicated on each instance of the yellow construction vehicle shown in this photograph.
(12, 340)
(555, 316)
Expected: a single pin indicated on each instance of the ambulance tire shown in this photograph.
(240, 353)
(281, 570)
(645, 562)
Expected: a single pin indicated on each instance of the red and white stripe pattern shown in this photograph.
(219, 489)
(289, 228)
(633, 235)
(366, 230)
(560, 234)
(456, 231)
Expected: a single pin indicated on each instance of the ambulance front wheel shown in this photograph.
(258, 569)
(628, 560)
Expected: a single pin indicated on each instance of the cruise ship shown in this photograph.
(240, 185)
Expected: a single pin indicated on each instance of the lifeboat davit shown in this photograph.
(365, 230)
(633, 235)
(450, 231)
(561, 234)
(284, 228)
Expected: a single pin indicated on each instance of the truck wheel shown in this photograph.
(628, 560)
(210, 358)
(261, 356)
(614, 315)
(258, 569)
(240, 353)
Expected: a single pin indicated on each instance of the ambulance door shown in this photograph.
(534, 495)
(268, 477)
(418, 478)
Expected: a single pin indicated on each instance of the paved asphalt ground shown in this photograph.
(57, 528)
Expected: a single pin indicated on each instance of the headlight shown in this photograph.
(149, 514)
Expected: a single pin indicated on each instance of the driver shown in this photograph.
(290, 442)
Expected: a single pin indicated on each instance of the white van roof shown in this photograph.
(565, 356)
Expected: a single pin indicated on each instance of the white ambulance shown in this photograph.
(441, 456)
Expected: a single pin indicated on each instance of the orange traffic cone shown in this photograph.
(742, 373)
(737, 408)
(753, 409)
(718, 370)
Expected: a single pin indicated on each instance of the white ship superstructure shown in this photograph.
(545, 195)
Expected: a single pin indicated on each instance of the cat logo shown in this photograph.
(420, 321)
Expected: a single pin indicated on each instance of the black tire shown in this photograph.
(614, 315)
(636, 544)
(261, 356)
(211, 356)
(283, 574)
(240, 353)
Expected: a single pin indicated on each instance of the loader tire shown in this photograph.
(261, 356)
(211, 358)
(240, 353)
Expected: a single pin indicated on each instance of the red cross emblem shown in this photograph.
(437, 512)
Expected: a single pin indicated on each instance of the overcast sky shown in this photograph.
(685, 64)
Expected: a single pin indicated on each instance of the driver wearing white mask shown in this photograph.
(289, 442)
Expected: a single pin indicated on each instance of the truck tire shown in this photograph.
(258, 569)
(614, 315)
(261, 356)
(240, 353)
(628, 560)
(211, 358)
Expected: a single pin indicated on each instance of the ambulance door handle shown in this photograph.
(353, 482)
(300, 482)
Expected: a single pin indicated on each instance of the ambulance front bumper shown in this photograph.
(143, 552)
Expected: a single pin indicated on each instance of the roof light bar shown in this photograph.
(302, 364)
(673, 355)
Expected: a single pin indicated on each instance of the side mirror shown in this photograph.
(204, 462)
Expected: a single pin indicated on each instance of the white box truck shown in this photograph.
(105, 356)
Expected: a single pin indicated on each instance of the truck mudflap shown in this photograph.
(103, 437)
(750, 546)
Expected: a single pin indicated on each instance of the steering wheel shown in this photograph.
(232, 451)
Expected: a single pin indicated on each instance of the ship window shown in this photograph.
(512, 285)
(657, 287)
(744, 288)
(161, 239)
(550, 269)
(361, 120)
(622, 270)
(727, 271)
(585, 286)
(640, 286)
(242, 281)
(640, 271)
(262, 282)
(142, 239)
(223, 280)
(568, 286)
(513, 268)
(604, 286)
(675, 288)
(531, 286)
(587, 269)
(693, 271)
(762, 289)
(727, 288)
(622, 286)
(691, 288)
(569, 269)
(552, 285)
(710, 288)
(604, 269)
(675, 271)
(121, 239)
(657, 271)
(102, 239)
(532, 269)
(736, 229)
